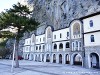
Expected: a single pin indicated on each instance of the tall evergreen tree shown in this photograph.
(19, 19)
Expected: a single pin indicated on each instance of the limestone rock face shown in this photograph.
(10, 44)
(59, 13)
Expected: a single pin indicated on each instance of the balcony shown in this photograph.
(67, 49)
(61, 50)
(54, 50)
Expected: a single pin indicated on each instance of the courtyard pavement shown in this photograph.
(41, 68)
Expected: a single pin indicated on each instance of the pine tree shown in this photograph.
(18, 18)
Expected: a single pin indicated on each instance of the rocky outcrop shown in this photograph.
(59, 13)
(10, 44)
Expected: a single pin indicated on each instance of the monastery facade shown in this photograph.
(77, 44)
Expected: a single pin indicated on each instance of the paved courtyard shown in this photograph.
(41, 68)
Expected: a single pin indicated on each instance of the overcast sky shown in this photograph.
(6, 4)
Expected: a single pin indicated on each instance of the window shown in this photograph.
(76, 45)
(36, 47)
(67, 45)
(39, 47)
(55, 46)
(30, 41)
(91, 23)
(73, 46)
(43, 38)
(60, 35)
(67, 34)
(43, 47)
(54, 36)
(40, 39)
(49, 33)
(92, 38)
(33, 39)
(60, 46)
(79, 44)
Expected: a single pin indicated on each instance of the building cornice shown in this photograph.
(61, 41)
(92, 32)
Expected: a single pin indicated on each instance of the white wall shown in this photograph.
(87, 39)
(38, 39)
(63, 32)
(87, 28)
(27, 41)
(27, 49)
(96, 24)
(27, 45)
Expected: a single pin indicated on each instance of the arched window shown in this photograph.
(33, 38)
(55, 46)
(76, 45)
(36, 47)
(60, 46)
(49, 33)
(76, 29)
(67, 45)
(91, 23)
(79, 44)
(92, 38)
(43, 47)
(60, 58)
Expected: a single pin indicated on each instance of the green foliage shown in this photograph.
(7, 34)
(19, 17)
(3, 43)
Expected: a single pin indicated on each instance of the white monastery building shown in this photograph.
(78, 44)
(91, 26)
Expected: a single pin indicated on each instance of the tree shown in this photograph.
(17, 19)
(4, 51)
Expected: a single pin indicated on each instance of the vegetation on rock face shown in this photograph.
(4, 53)
(17, 20)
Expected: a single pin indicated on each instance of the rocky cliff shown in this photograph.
(59, 13)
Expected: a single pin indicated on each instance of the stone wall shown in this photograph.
(88, 51)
